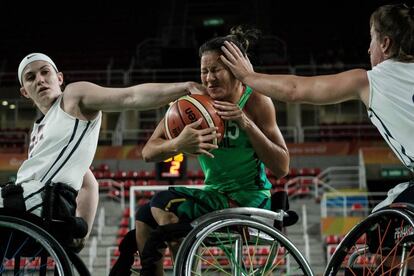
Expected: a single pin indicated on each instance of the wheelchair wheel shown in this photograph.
(79, 267)
(238, 245)
(382, 244)
(27, 249)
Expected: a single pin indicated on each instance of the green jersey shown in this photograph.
(236, 166)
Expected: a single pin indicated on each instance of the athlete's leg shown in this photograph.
(87, 204)
(144, 226)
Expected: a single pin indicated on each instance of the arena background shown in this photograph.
(125, 43)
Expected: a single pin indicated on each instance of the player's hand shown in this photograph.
(197, 141)
(196, 88)
(238, 63)
(231, 112)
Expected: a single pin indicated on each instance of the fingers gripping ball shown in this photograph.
(189, 109)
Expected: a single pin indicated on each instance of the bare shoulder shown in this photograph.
(78, 88)
(259, 105)
(360, 83)
(72, 96)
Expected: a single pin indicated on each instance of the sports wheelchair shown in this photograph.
(31, 246)
(381, 244)
(241, 241)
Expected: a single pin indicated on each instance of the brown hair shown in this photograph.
(396, 22)
(242, 37)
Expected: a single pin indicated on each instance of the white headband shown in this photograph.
(29, 59)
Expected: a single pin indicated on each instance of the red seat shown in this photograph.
(198, 181)
(331, 249)
(263, 251)
(200, 174)
(331, 239)
(303, 191)
(104, 184)
(114, 193)
(281, 182)
(128, 183)
(152, 182)
(305, 172)
(357, 206)
(133, 174)
(103, 167)
(98, 174)
(168, 262)
(142, 201)
(306, 181)
(293, 172)
(362, 240)
(362, 260)
(122, 231)
(108, 174)
(126, 212)
(316, 171)
(118, 241)
(141, 183)
(124, 222)
(120, 174)
(148, 194)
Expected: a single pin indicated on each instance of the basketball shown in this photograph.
(189, 109)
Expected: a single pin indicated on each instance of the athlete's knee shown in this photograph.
(163, 217)
(144, 215)
(164, 207)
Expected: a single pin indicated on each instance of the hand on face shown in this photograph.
(238, 63)
(197, 141)
(230, 111)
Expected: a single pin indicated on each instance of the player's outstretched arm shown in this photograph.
(326, 89)
(91, 97)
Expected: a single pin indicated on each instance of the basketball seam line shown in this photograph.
(181, 117)
(166, 123)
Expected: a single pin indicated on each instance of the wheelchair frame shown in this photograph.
(355, 257)
(253, 219)
(23, 237)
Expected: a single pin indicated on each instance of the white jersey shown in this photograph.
(391, 106)
(61, 149)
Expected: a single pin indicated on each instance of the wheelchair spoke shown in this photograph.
(238, 245)
(387, 247)
(212, 261)
(23, 242)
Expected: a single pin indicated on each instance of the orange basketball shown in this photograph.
(188, 109)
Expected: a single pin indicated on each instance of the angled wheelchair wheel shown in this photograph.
(79, 267)
(27, 249)
(382, 244)
(238, 245)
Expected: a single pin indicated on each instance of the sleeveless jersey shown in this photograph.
(235, 166)
(61, 149)
(391, 106)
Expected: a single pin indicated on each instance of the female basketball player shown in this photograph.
(387, 89)
(64, 140)
(234, 172)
